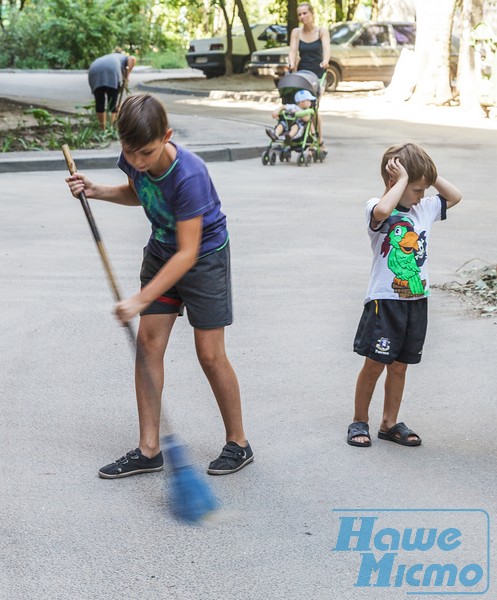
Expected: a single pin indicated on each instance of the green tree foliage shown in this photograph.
(72, 33)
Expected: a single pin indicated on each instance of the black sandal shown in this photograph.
(399, 434)
(358, 428)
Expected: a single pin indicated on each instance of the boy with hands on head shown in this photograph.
(393, 325)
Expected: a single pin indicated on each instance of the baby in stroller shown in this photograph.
(297, 129)
(292, 118)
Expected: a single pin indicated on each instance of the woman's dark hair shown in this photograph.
(142, 120)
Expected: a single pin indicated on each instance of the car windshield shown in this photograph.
(342, 32)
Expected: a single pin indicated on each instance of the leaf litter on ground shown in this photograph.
(478, 286)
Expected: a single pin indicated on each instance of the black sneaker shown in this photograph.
(133, 463)
(232, 459)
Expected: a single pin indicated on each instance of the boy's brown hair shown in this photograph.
(142, 120)
(415, 161)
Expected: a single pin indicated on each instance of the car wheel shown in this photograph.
(244, 66)
(332, 78)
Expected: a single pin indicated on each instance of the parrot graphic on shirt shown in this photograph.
(406, 252)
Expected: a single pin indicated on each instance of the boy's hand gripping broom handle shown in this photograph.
(93, 226)
(106, 263)
(192, 501)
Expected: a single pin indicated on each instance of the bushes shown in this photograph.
(72, 33)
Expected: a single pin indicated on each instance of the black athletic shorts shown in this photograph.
(100, 94)
(392, 330)
(205, 290)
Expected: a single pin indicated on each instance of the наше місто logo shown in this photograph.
(419, 551)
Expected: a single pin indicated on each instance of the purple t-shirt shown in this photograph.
(183, 192)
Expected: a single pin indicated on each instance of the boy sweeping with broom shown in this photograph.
(186, 264)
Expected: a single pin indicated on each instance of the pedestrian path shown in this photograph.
(214, 139)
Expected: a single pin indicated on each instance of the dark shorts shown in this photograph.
(392, 330)
(100, 94)
(205, 290)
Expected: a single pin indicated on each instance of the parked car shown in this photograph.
(208, 54)
(359, 52)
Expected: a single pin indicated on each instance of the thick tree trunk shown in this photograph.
(292, 19)
(374, 10)
(466, 76)
(432, 51)
(228, 58)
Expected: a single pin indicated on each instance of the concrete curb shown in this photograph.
(54, 161)
(157, 89)
(212, 94)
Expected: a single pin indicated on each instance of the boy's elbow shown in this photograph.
(455, 200)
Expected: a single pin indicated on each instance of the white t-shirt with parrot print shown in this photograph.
(400, 244)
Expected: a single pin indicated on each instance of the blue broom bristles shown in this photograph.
(190, 496)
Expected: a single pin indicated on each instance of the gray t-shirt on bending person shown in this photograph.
(107, 71)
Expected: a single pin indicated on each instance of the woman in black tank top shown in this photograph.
(309, 47)
(309, 44)
(311, 56)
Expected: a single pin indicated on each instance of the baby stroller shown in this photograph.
(305, 145)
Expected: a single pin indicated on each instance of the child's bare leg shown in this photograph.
(278, 130)
(222, 379)
(153, 336)
(293, 131)
(394, 390)
(366, 383)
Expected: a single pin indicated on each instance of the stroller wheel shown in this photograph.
(265, 157)
(272, 159)
(308, 159)
(301, 160)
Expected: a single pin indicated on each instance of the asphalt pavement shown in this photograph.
(301, 261)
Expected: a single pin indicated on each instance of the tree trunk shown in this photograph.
(374, 10)
(228, 57)
(432, 51)
(351, 8)
(292, 19)
(246, 26)
(466, 76)
(340, 10)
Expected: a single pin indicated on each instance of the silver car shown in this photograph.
(359, 52)
(209, 54)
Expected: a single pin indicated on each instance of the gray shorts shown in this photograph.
(392, 330)
(205, 290)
